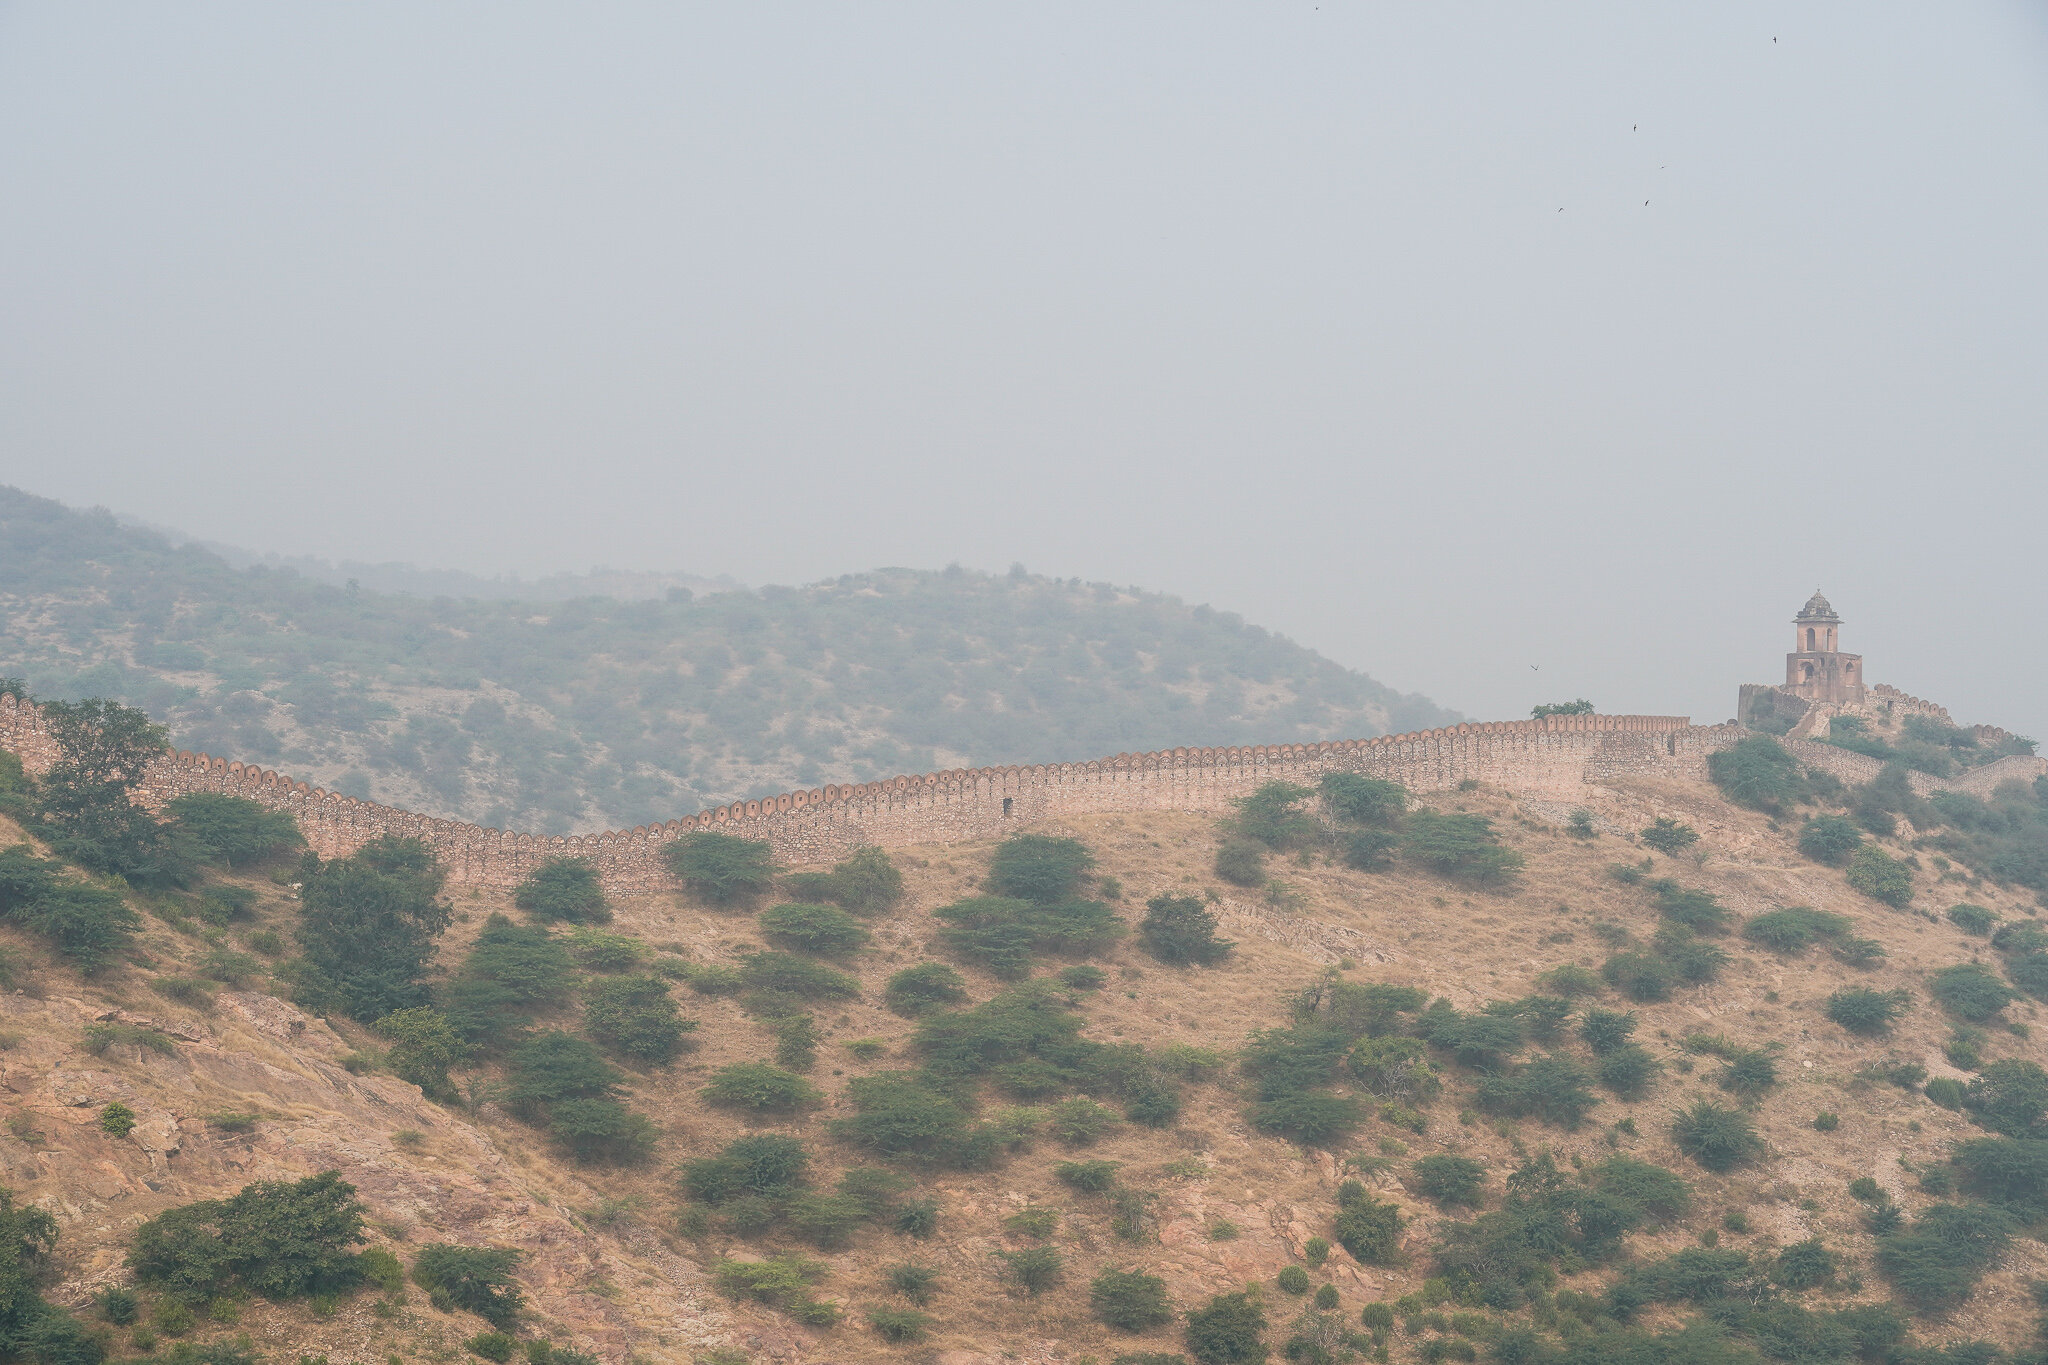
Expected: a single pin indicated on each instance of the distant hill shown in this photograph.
(591, 712)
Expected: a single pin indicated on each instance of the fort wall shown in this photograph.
(1556, 757)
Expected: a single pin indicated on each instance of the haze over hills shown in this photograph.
(564, 715)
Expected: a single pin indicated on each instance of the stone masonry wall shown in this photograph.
(1556, 757)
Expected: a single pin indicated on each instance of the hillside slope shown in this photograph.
(620, 1261)
(595, 713)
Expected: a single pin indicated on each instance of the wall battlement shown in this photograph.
(1557, 756)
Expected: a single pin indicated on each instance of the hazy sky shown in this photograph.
(1448, 339)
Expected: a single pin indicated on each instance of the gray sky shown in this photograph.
(1350, 318)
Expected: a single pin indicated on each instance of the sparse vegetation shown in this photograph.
(1668, 836)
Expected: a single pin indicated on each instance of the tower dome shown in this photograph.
(1816, 669)
(1817, 608)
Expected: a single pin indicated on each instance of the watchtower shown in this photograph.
(1816, 669)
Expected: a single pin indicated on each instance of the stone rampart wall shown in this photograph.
(1555, 756)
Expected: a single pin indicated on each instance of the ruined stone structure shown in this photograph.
(1816, 670)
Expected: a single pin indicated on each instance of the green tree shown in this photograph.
(423, 1047)
(565, 889)
(33, 1330)
(1581, 707)
(1880, 876)
(232, 830)
(825, 930)
(86, 801)
(926, 986)
(1459, 845)
(635, 1017)
(1669, 836)
(1039, 867)
(1829, 839)
(1272, 815)
(1228, 1330)
(474, 1279)
(1969, 991)
(722, 869)
(1130, 1300)
(1181, 930)
(511, 972)
(552, 1067)
(280, 1239)
(1759, 773)
(368, 925)
(1363, 800)
(866, 883)
(89, 926)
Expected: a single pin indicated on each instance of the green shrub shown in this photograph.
(1242, 862)
(866, 883)
(1228, 1330)
(88, 926)
(1129, 1300)
(1552, 1088)
(115, 1304)
(552, 1067)
(1641, 977)
(1034, 1269)
(782, 1282)
(1362, 800)
(368, 925)
(1867, 1012)
(603, 951)
(280, 1239)
(918, 1218)
(1083, 977)
(1829, 839)
(1570, 980)
(1969, 991)
(913, 1282)
(764, 1165)
(1000, 934)
(1326, 1299)
(1827, 1121)
(1368, 850)
(1794, 928)
(1039, 867)
(1758, 773)
(1860, 952)
(229, 967)
(1459, 845)
(925, 987)
(1669, 836)
(1377, 1316)
(1804, 1265)
(1180, 930)
(1972, 919)
(511, 972)
(2009, 1172)
(601, 1132)
(1692, 960)
(1606, 1030)
(1694, 910)
(184, 990)
(899, 1325)
(1272, 816)
(1749, 1073)
(565, 889)
(493, 1346)
(1080, 1121)
(635, 1017)
(1394, 1068)
(1449, 1180)
(822, 929)
(231, 830)
(762, 1088)
(1718, 1139)
(897, 1115)
(1881, 877)
(100, 1037)
(1934, 1263)
(1946, 1092)
(722, 869)
(1089, 1177)
(1292, 1279)
(792, 975)
(423, 1047)
(1365, 1227)
(1628, 1071)
(2010, 1097)
(117, 1120)
(2029, 972)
